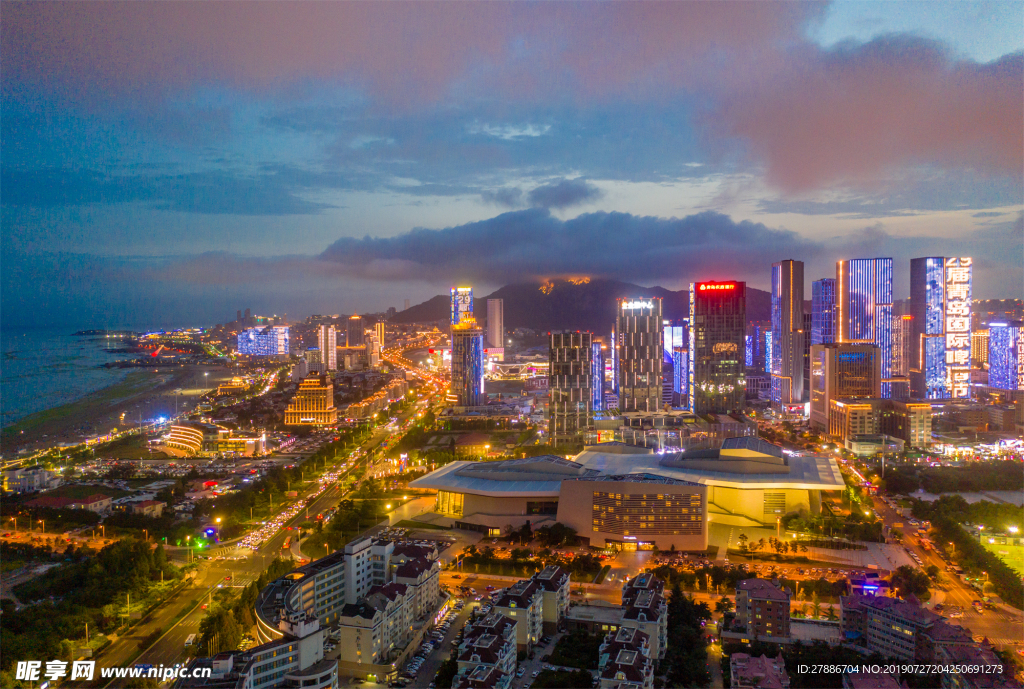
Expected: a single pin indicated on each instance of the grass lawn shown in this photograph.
(1012, 555)
(411, 525)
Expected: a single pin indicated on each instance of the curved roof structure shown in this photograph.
(532, 477)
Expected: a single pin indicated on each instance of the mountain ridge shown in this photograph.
(574, 304)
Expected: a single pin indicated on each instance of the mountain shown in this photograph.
(587, 304)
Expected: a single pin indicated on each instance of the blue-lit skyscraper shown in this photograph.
(1006, 355)
(597, 375)
(864, 309)
(264, 340)
(768, 351)
(823, 311)
(940, 347)
(468, 363)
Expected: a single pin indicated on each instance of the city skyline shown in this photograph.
(252, 160)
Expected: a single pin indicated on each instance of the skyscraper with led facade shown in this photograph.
(462, 304)
(716, 354)
(787, 332)
(823, 311)
(570, 386)
(468, 363)
(864, 310)
(1006, 355)
(940, 303)
(327, 344)
(640, 346)
(264, 340)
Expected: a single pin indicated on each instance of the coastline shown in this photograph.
(149, 393)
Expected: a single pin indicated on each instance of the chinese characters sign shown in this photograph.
(958, 326)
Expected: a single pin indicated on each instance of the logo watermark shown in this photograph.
(85, 670)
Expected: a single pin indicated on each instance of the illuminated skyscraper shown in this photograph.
(979, 347)
(823, 311)
(842, 371)
(787, 332)
(1006, 355)
(495, 323)
(570, 387)
(864, 309)
(716, 354)
(597, 375)
(468, 363)
(462, 304)
(940, 302)
(313, 403)
(640, 346)
(378, 330)
(264, 340)
(902, 338)
(327, 343)
(355, 337)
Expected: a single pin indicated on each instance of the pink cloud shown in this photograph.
(851, 115)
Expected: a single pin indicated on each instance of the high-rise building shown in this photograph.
(902, 339)
(314, 359)
(372, 351)
(640, 343)
(718, 315)
(495, 323)
(462, 304)
(864, 309)
(842, 371)
(378, 330)
(405, 305)
(758, 342)
(355, 337)
(787, 332)
(823, 311)
(570, 387)
(807, 321)
(468, 363)
(313, 403)
(1006, 355)
(979, 347)
(327, 342)
(940, 302)
(597, 375)
(264, 341)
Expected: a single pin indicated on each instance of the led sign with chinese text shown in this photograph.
(957, 324)
(637, 305)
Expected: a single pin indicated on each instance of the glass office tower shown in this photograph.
(823, 311)
(468, 363)
(640, 346)
(717, 342)
(787, 332)
(570, 387)
(864, 309)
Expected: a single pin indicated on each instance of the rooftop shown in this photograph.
(763, 589)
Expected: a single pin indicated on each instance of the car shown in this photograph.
(204, 606)
(535, 673)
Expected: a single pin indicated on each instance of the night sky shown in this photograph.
(173, 162)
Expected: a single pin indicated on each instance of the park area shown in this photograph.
(1012, 555)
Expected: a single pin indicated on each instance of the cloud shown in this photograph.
(509, 197)
(563, 194)
(212, 193)
(532, 242)
(510, 132)
(852, 113)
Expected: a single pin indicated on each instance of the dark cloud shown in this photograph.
(509, 197)
(987, 214)
(563, 194)
(535, 243)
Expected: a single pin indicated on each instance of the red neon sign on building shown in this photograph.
(715, 286)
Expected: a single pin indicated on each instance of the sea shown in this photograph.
(45, 368)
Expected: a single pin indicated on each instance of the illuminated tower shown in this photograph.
(718, 315)
(495, 323)
(570, 383)
(639, 351)
(787, 332)
(354, 334)
(940, 303)
(327, 343)
(864, 309)
(468, 363)
(313, 403)
(462, 304)
(1006, 355)
(842, 371)
(378, 330)
(823, 311)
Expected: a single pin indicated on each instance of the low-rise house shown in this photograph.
(751, 672)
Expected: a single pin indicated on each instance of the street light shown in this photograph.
(42, 529)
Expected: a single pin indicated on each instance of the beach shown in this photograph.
(141, 396)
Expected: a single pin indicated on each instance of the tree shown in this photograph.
(724, 605)
(907, 580)
(743, 542)
(831, 614)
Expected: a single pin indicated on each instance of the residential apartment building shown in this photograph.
(624, 659)
(524, 603)
(762, 611)
(645, 609)
(490, 643)
(889, 626)
(30, 480)
(554, 584)
(908, 421)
